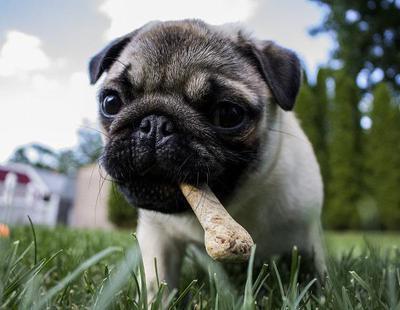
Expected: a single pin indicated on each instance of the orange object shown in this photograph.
(4, 231)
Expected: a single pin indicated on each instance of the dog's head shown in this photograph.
(184, 101)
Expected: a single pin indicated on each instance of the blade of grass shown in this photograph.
(183, 294)
(170, 298)
(128, 263)
(361, 282)
(346, 299)
(13, 263)
(216, 306)
(85, 265)
(143, 301)
(294, 266)
(157, 304)
(248, 302)
(278, 277)
(392, 294)
(28, 275)
(260, 277)
(34, 238)
(263, 280)
(156, 271)
(196, 293)
(303, 293)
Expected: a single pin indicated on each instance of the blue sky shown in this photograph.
(45, 45)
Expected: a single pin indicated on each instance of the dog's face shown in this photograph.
(186, 102)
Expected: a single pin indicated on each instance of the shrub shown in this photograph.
(120, 212)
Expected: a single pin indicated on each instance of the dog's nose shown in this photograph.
(156, 126)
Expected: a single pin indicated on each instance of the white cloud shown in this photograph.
(41, 102)
(283, 21)
(45, 109)
(287, 23)
(21, 54)
(127, 15)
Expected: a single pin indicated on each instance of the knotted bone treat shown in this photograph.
(224, 239)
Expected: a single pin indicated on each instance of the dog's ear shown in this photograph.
(102, 61)
(280, 69)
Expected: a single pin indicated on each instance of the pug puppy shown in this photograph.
(184, 101)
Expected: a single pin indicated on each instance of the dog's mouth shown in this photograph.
(155, 187)
(155, 193)
(151, 179)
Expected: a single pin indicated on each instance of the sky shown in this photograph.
(45, 96)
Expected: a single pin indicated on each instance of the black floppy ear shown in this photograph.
(102, 61)
(281, 71)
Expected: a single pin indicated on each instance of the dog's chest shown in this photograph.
(184, 227)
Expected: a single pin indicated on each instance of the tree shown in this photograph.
(321, 121)
(65, 161)
(90, 146)
(383, 159)
(307, 111)
(120, 212)
(36, 155)
(20, 156)
(368, 38)
(311, 109)
(344, 158)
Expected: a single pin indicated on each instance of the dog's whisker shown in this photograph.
(286, 133)
(95, 129)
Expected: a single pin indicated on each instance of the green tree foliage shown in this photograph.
(65, 161)
(37, 155)
(68, 162)
(363, 164)
(343, 192)
(120, 212)
(383, 157)
(90, 146)
(311, 109)
(321, 121)
(368, 37)
(307, 112)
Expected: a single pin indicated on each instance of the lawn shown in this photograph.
(77, 269)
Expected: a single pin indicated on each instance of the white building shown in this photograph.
(90, 206)
(47, 197)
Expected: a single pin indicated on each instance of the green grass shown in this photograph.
(77, 269)
(341, 242)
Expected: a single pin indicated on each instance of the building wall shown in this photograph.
(90, 207)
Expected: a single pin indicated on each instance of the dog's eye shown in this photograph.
(111, 105)
(228, 115)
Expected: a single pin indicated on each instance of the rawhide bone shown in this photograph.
(224, 239)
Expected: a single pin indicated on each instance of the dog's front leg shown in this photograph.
(318, 249)
(157, 244)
